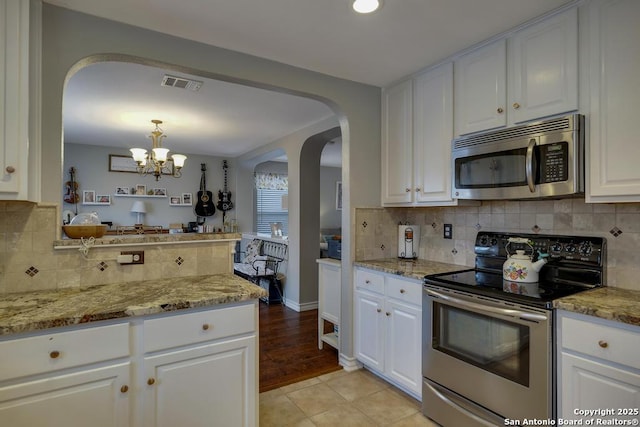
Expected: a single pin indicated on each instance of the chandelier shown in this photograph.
(155, 163)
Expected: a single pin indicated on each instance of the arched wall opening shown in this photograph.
(70, 37)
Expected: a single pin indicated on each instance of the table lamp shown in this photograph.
(139, 208)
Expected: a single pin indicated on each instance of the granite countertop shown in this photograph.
(137, 239)
(415, 269)
(31, 311)
(621, 305)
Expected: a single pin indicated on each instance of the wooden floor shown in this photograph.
(289, 347)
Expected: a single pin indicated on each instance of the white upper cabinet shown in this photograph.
(531, 74)
(432, 133)
(480, 89)
(14, 99)
(543, 73)
(397, 143)
(416, 143)
(613, 150)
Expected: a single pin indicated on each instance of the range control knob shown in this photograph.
(494, 242)
(571, 248)
(483, 240)
(556, 247)
(585, 248)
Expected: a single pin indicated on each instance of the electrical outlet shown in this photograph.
(448, 231)
(138, 256)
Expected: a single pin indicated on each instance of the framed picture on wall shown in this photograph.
(122, 190)
(159, 191)
(339, 195)
(186, 198)
(103, 199)
(141, 190)
(175, 200)
(88, 196)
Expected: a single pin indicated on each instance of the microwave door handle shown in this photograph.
(529, 166)
(490, 309)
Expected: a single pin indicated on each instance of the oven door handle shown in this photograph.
(490, 309)
(529, 166)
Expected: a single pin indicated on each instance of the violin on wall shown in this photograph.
(71, 189)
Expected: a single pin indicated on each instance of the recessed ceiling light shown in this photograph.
(366, 6)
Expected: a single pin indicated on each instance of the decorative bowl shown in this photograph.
(89, 230)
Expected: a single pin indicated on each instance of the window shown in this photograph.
(270, 189)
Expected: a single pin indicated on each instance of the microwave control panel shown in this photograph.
(554, 162)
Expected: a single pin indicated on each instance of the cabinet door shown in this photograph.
(92, 397)
(330, 280)
(209, 385)
(14, 97)
(480, 89)
(403, 346)
(588, 384)
(543, 72)
(433, 131)
(614, 58)
(397, 142)
(369, 329)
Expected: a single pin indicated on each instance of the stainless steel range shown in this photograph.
(487, 351)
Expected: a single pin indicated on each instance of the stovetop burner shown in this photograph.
(576, 264)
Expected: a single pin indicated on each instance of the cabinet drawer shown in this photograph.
(370, 281)
(606, 342)
(53, 351)
(404, 290)
(184, 329)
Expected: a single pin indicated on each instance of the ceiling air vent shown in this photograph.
(181, 83)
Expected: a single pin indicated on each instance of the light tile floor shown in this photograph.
(346, 399)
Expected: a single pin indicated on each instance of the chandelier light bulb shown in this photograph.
(160, 154)
(366, 6)
(178, 160)
(139, 155)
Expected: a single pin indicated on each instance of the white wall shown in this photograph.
(330, 217)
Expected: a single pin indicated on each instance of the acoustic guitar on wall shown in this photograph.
(204, 206)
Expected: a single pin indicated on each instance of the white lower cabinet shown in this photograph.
(200, 369)
(388, 328)
(195, 368)
(210, 385)
(71, 378)
(599, 367)
(329, 288)
(97, 397)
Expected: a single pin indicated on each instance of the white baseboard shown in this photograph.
(349, 364)
(301, 307)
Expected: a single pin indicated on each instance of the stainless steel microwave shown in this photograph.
(541, 159)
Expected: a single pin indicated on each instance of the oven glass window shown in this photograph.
(495, 345)
(503, 169)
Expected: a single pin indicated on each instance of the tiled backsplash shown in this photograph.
(29, 262)
(377, 231)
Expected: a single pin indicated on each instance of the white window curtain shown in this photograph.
(271, 188)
